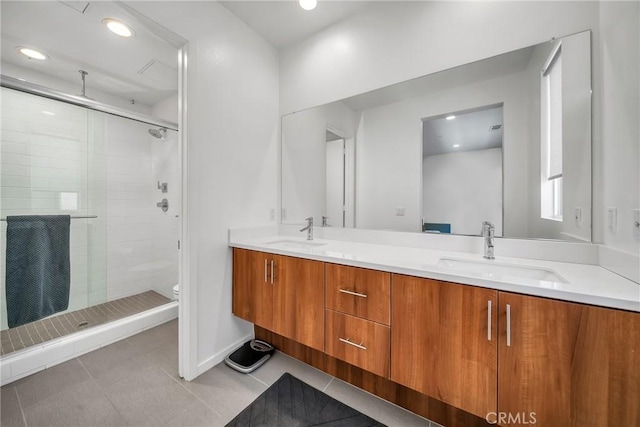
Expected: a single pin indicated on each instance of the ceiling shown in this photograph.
(282, 23)
(71, 33)
(469, 131)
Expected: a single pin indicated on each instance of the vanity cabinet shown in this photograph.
(570, 364)
(444, 341)
(280, 293)
(506, 358)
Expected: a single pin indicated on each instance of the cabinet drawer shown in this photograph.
(358, 291)
(359, 342)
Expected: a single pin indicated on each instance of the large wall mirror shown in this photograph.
(506, 139)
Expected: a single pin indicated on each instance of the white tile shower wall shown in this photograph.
(142, 240)
(165, 169)
(44, 161)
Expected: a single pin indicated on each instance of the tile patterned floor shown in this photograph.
(134, 382)
(64, 324)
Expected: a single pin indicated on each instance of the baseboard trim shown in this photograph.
(212, 361)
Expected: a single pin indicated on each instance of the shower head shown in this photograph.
(158, 133)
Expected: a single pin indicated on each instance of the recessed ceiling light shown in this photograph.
(117, 27)
(48, 113)
(31, 53)
(450, 117)
(308, 4)
(456, 146)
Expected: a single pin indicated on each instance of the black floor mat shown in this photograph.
(290, 402)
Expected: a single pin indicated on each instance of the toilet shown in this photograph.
(176, 292)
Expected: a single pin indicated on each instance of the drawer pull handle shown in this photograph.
(348, 341)
(265, 270)
(356, 294)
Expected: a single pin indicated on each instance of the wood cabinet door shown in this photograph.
(252, 288)
(567, 364)
(444, 343)
(298, 300)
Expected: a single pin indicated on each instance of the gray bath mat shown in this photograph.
(290, 402)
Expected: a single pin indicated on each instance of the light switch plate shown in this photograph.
(577, 214)
(612, 219)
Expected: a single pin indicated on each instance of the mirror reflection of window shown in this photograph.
(462, 171)
(551, 136)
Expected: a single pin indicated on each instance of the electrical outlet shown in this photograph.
(612, 219)
(577, 214)
(272, 214)
(284, 214)
(399, 211)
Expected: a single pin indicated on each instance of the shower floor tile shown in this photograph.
(37, 332)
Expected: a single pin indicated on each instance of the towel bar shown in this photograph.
(73, 217)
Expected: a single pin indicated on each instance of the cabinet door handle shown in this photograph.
(265, 270)
(489, 320)
(357, 294)
(348, 341)
(508, 325)
(272, 264)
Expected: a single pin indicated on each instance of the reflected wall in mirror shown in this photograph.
(461, 167)
(540, 182)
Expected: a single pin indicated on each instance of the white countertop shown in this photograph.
(588, 284)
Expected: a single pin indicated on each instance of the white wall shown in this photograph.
(167, 109)
(617, 132)
(304, 159)
(399, 41)
(389, 153)
(453, 182)
(233, 148)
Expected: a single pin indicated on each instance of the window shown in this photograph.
(551, 136)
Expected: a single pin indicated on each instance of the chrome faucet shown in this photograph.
(309, 228)
(488, 231)
(325, 222)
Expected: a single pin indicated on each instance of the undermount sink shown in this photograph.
(296, 244)
(493, 270)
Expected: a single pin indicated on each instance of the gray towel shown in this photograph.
(38, 267)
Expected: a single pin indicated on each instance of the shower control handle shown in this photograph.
(163, 186)
(164, 205)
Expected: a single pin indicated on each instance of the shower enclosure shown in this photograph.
(119, 180)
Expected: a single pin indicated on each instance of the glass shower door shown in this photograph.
(53, 163)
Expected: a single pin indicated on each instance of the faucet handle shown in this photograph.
(310, 219)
